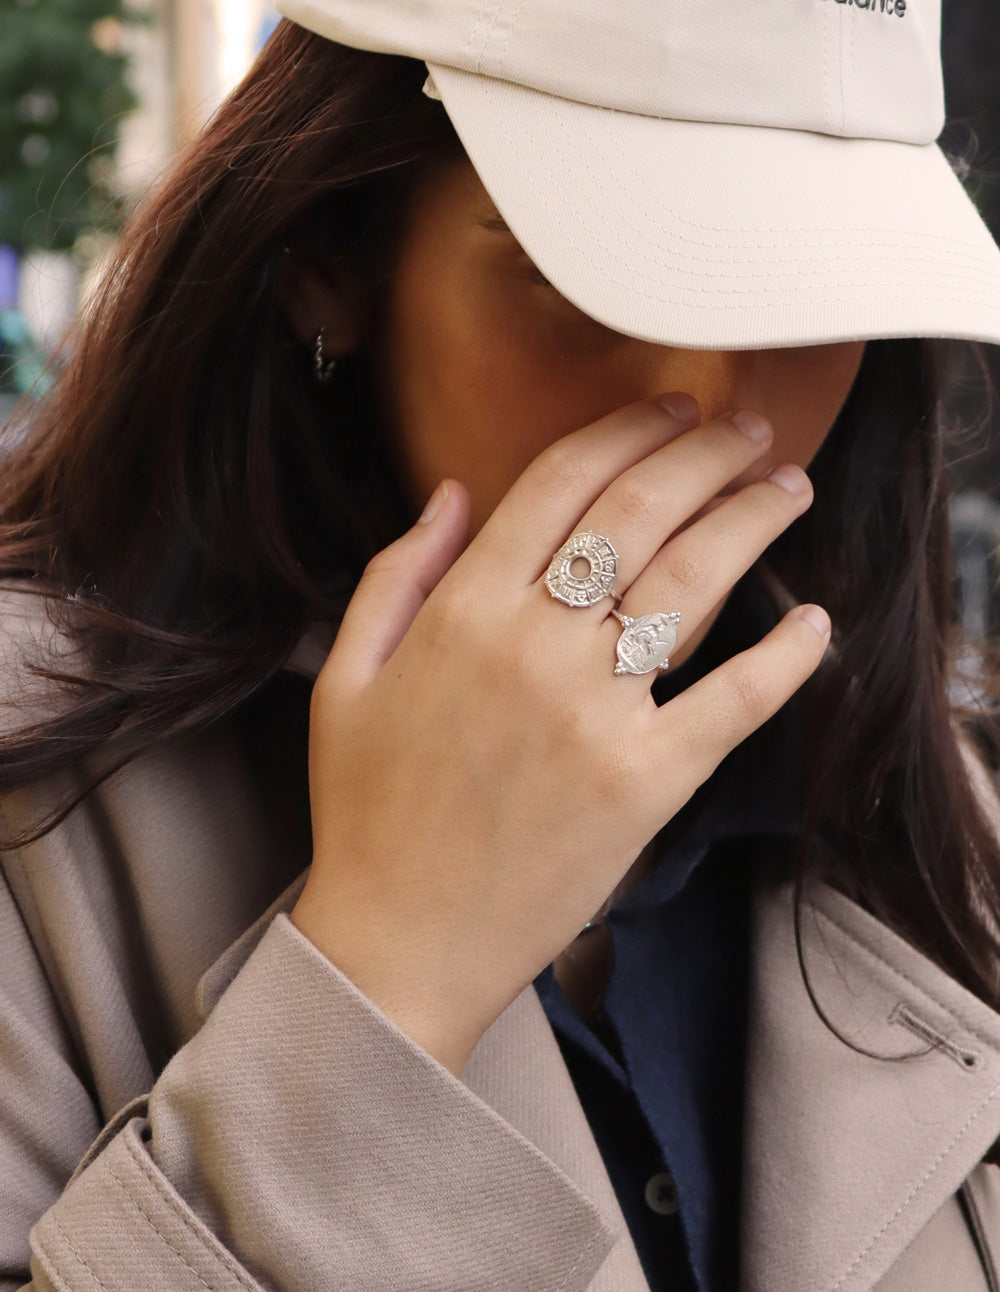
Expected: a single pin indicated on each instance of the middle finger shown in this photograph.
(643, 506)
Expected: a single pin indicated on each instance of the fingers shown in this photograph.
(634, 477)
(395, 584)
(697, 568)
(640, 509)
(695, 730)
(545, 503)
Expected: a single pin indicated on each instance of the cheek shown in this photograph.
(440, 373)
(479, 394)
(803, 391)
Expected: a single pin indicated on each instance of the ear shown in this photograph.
(312, 295)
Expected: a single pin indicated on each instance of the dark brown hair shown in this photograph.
(190, 493)
(191, 499)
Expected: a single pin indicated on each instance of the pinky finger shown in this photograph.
(701, 725)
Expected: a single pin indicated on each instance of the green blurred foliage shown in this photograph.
(60, 111)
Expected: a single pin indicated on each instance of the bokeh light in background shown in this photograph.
(242, 27)
(175, 60)
(187, 57)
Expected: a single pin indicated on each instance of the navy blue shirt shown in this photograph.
(659, 1070)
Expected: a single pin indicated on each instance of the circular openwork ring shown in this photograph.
(646, 641)
(596, 578)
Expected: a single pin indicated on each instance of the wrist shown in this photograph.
(410, 991)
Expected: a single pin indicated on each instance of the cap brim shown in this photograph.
(714, 236)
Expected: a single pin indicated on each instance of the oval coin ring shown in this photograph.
(646, 641)
(584, 588)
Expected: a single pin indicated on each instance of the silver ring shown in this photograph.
(598, 581)
(646, 641)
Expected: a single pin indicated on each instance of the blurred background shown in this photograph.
(99, 95)
(97, 98)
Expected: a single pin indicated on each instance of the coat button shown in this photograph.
(661, 1194)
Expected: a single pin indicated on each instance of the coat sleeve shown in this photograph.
(299, 1140)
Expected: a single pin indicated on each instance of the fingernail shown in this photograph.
(434, 504)
(682, 406)
(790, 477)
(754, 425)
(817, 618)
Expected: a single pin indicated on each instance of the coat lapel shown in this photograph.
(848, 1157)
(518, 1069)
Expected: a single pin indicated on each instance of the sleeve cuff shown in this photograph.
(314, 1143)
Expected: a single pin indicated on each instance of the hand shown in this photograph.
(480, 779)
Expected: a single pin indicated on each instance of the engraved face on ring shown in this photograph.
(583, 570)
(646, 642)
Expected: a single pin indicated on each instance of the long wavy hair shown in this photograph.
(189, 499)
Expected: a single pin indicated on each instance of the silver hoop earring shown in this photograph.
(324, 367)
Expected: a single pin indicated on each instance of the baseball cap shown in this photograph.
(718, 174)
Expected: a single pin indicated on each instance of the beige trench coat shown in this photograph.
(193, 1097)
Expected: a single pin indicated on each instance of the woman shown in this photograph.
(584, 952)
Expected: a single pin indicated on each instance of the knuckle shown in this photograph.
(749, 693)
(462, 634)
(570, 729)
(383, 562)
(637, 501)
(516, 660)
(686, 570)
(448, 615)
(564, 467)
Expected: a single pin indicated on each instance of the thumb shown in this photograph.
(396, 583)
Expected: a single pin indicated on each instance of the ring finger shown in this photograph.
(640, 509)
(695, 571)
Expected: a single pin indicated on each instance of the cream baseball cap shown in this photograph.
(720, 174)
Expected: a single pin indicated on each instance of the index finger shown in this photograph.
(549, 497)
